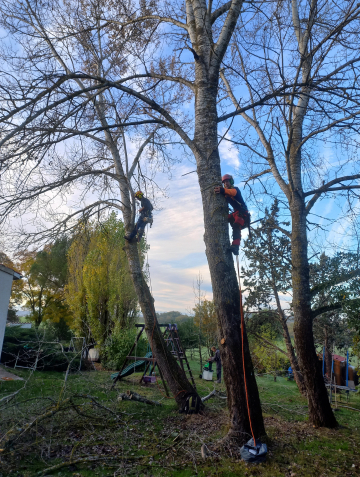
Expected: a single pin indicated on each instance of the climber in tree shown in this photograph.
(145, 217)
(239, 219)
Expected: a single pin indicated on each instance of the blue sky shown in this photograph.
(177, 249)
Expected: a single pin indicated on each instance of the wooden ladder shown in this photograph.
(172, 338)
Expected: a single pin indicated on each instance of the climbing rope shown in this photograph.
(242, 348)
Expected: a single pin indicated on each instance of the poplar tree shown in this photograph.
(302, 145)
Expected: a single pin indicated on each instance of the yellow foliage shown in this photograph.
(205, 319)
(99, 291)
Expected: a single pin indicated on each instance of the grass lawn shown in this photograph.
(82, 424)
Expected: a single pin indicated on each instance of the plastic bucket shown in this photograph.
(207, 375)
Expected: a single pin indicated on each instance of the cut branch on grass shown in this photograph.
(213, 393)
(132, 396)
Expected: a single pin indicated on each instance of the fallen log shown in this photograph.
(214, 393)
(132, 396)
(205, 398)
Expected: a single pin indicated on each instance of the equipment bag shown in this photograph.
(192, 404)
(255, 454)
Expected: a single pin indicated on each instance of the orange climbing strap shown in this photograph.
(242, 349)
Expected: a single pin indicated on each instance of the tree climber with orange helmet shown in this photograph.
(239, 219)
(145, 217)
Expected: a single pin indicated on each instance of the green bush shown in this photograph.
(118, 345)
(23, 345)
(266, 359)
(59, 330)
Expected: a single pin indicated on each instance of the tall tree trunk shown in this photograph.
(298, 376)
(299, 379)
(221, 264)
(289, 347)
(320, 412)
(175, 377)
(173, 374)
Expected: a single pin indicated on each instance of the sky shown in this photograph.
(177, 248)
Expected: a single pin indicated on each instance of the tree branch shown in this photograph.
(147, 17)
(257, 175)
(334, 306)
(269, 343)
(329, 283)
(220, 11)
(226, 32)
(326, 188)
(140, 151)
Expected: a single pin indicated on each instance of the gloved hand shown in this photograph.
(219, 190)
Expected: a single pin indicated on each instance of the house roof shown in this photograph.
(337, 357)
(10, 271)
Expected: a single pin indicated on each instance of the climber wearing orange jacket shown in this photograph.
(239, 219)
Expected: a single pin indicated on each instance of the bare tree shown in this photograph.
(173, 51)
(307, 52)
(268, 276)
(75, 137)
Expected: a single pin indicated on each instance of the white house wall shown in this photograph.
(5, 292)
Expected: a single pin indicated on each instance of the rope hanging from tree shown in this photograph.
(253, 450)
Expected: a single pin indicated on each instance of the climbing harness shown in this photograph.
(253, 450)
(148, 220)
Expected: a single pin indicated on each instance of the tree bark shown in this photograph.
(175, 377)
(289, 347)
(320, 412)
(221, 265)
(293, 360)
(299, 379)
(173, 374)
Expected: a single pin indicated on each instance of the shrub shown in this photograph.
(57, 330)
(118, 345)
(266, 359)
(22, 346)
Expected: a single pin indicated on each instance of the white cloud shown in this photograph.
(229, 155)
(177, 249)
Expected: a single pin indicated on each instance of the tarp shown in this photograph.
(254, 454)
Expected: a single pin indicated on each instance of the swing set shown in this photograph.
(132, 362)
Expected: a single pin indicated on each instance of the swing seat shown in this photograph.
(149, 379)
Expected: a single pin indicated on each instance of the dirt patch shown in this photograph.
(208, 423)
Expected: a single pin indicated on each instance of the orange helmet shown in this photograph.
(228, 177)
(139, 194)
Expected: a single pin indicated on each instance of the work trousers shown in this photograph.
(218, 370)
(237, 223)
(139, 228)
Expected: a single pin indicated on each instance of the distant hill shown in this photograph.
(172, 317)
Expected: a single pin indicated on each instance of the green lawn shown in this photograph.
(81, 423)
